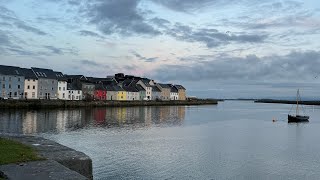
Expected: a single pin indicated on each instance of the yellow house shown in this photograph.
(121, 94)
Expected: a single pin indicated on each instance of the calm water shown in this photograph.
(234, 140)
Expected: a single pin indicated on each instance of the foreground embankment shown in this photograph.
(287, 102)
(38, 104)
(59, 162)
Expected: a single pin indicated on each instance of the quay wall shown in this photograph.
(39, 104)
(286, 102)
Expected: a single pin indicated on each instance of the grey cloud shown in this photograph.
(90, 33)
(119, 16)
(140, 57)
(187, 5)
(54, 50)
(90, 63)
(292, 67)
(59, 51)
(9, 17)
(22, 25)
(212, 37)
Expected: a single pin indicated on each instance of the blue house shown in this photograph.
(11, 82)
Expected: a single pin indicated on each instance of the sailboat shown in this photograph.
(297, 118)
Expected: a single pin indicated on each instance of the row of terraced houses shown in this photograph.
(39, 83)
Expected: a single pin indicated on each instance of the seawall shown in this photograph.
(52, 151)
(39, 104)
(287, 102)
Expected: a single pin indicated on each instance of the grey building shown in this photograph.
(156, 93)
(11, 82)
(47, 83)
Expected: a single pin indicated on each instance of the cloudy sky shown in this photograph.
(216, 48)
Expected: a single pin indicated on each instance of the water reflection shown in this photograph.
(41, 121)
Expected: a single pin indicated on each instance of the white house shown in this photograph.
(74, 92)
(62, 86)
(133, 94)
(147, 85)
(174, 93)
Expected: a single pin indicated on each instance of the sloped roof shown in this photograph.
(99, 87)
(28, 73)
(174, 89)
(155, 89)
(11, 70)
(113, 88)
(73, 86)
(140, 88)
(179, 87)
(60, 76)
(44, 73)
(164, 85)
(146, 82)
(130, 89)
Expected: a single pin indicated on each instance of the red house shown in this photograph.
(100, 92)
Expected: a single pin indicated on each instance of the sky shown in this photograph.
(215, 48)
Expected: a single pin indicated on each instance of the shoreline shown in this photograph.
(275, 101)
(42, 104)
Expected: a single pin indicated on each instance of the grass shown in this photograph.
(15, 152)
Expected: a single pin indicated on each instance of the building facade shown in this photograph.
(174, 94)
(165, 91)
(47, 83)
(181, 92)
(11, 82)
(30, 84)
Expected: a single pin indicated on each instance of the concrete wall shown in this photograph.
(37, 104)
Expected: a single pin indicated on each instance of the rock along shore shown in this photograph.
(39, 104)
(61, 162)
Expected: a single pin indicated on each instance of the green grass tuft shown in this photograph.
(15, 152)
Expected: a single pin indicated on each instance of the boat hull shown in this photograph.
(297, 119)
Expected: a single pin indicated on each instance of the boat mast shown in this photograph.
(297, 109)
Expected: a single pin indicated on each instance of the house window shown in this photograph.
(52, 82)
(15, 94)
(28, 79)
(63, 95)
(41, 88)
(59, 88)
(64, 88)
(34, 87)
(28, 87)
(19, 79)
(77, 97)
(9, 86)
(3, 86)
(121, 97)
(18, 86)
(34, 80)
(78, 92)
(33, 94)
(4, 78)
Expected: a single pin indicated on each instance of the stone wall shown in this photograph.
(38, 104)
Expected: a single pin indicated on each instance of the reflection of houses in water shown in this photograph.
(10, 121)
(99, 115)
(145, 116)
(29, 122)
(51, 120)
